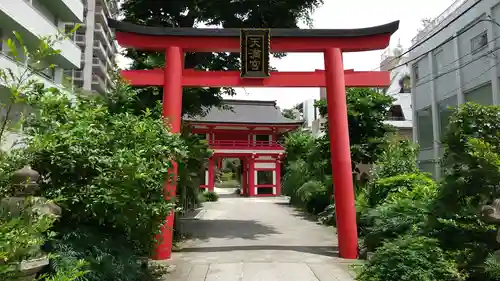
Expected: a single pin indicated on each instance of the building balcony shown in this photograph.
(32, 24)
(101, 52)
(18, 69)
(67, 10)
(98, 85)
(104, 34)
(109, 7)
(244, 144)
(99, 67)
(79, 39)
(101, 16)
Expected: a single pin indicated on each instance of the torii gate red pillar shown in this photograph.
(172, 110)
(340, 150)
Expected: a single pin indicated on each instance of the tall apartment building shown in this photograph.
(457, 64)
(99, 49)
(34, 19)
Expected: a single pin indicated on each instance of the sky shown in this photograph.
(346, 14)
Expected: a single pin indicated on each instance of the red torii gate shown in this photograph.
(332, 42)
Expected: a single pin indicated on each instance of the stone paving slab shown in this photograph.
(257, 239)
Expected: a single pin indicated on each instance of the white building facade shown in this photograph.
(457, 64)
(98, 46)
(34, 19)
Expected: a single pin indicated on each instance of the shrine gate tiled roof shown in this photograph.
(245, 112)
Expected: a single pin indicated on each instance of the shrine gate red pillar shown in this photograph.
(211, 174)
(172, 109)
(341, 155)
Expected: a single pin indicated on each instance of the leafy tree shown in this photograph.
(366, 112)
(109, 167)
(224, 13)
(472, 176)
(288, 113)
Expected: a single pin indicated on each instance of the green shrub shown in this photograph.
(227, 176)
(472, 174)
(22, 236)
(313, 196)
(210, 196)
(297, 174)
(409, 259)
(378, 191)
(392, 220)
(399, 157)
(111, 167)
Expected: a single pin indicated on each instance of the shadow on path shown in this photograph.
(205, 229)
(331, 251)
(299, 213)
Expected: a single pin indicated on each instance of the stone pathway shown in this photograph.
(257, 239)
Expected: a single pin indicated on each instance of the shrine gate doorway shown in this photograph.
(331, 42)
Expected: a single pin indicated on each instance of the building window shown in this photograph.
(479, 42)
(482, 95)
(405, 84)
(424, 128)
(416, 71)
(445, 109)
(262, 138)
(201, 136)
(438, 61)
(265, 178)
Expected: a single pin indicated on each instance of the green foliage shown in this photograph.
(110, 167)
(228, 14)
(391, 220)
(380, 189)
(23, 234)
(87, 154)
(288, 113)
(227, 176)
(492, 267)
(210, 196)
(410, 259)
(472, 164)
(314, 196)
(70, 270)
(366, 112)
(191, 171)
(297, 174)
(110, 254)
(309, 158)
(399, 157)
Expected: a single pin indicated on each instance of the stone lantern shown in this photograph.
(24, 199)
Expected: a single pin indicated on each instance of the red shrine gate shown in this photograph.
(175, 41)
(249, 132)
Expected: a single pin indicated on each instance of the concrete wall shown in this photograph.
(445, 74)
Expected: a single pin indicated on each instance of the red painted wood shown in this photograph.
(230, 44)
(341, 156)
(172, 92)
(244, 144)
(192, 78)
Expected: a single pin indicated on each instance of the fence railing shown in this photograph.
(245, 143)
